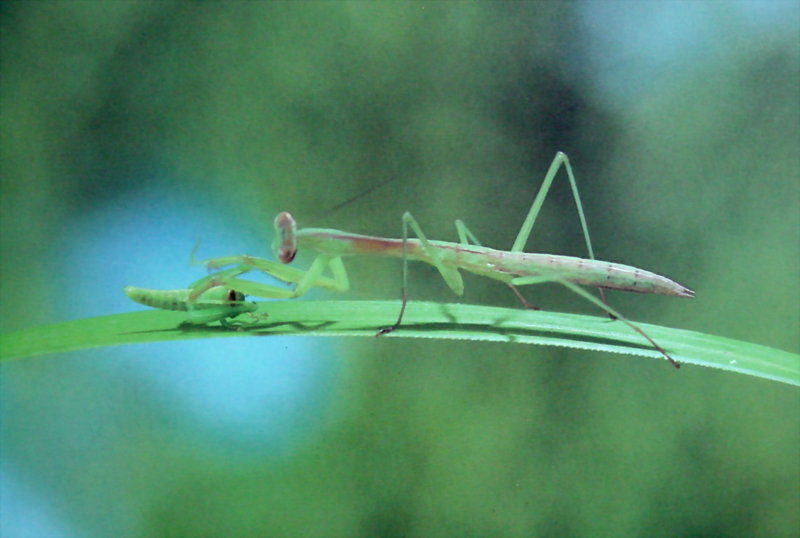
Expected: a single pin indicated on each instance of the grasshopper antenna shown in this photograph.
(193, 255)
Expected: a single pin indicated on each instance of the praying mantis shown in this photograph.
(513, 267)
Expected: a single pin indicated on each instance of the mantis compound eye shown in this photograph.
(285, 243)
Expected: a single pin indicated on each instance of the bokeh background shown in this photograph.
(131, 129)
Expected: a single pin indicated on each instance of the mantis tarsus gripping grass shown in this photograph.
(513, 267)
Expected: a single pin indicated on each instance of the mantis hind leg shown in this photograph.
(524, 234)
(523, 281)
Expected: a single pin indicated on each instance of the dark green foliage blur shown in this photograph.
(691, 169)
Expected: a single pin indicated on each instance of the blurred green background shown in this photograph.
(130, 129)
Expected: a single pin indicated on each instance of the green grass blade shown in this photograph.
(422, 320)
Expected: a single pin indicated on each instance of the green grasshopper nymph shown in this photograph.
(218, 303)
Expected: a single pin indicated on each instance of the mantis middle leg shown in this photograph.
(450, 274)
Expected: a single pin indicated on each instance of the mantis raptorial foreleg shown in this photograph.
(303, 279)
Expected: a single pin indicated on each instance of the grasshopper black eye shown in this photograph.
(234, 296)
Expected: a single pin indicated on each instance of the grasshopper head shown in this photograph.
(236, 300)
(285, 243)
(233, 297)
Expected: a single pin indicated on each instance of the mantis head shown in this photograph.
(285, 243)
